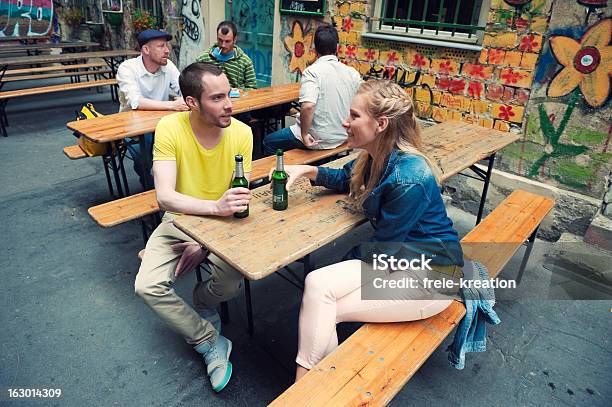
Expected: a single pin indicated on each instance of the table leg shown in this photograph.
(115, 169)
(249, 306)
(120, 156)
(106, 163)
(144, 160)
(485, 188)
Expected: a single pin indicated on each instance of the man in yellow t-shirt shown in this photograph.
(193, 163)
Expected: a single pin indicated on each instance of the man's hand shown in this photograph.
(178, 104)
(193, 255)
(309, 141)
(233, 200)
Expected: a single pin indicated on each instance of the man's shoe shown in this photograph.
(218, 366)
(212, 316)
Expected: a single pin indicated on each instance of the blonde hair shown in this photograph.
(387, 99)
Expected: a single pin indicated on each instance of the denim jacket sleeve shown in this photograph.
(337, 179)
(471, 333)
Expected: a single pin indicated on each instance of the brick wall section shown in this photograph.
(490, 88)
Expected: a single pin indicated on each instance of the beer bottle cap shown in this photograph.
(238, 158)
(279, 152)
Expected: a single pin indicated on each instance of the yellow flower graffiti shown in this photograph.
(300, 48)
(587, 63)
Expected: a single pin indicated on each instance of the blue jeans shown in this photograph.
(134, 150)
(283, 139)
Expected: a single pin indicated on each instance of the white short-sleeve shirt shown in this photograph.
(330, 85)
(136, 82)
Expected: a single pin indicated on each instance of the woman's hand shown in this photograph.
(295, 172)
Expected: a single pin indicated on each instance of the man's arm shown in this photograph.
(164, 173)
(306, 114)
(177, 104)
(250, 79)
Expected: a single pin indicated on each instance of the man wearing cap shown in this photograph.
(236, 65)
(149, 82)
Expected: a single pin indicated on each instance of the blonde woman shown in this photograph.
(396, 187)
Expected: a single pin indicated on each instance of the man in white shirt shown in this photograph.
(149, 82)
(326, 90)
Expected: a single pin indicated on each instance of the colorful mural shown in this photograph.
(568, 131)
(516, 83)
(25, 18)
(300, 48)
(192, 34)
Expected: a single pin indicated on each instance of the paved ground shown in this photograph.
(70, 318)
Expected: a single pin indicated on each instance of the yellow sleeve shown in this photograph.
(246, 148)
(165, 142)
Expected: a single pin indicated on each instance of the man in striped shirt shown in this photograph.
(236, 65)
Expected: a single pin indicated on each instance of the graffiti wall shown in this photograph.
(192, 33)
(502, 86)
(568, 129)
(21, 18)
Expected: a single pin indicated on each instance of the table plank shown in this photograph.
(138, 122)
(49, 45)
(48, 59)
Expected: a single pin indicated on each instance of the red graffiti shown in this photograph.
(475, 89)
(528, 43)
(505, 112)
(419, 61)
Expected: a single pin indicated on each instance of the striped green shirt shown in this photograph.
(239, 69)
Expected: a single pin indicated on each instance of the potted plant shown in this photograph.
(142, 20)
(113, 11)
(74, 17)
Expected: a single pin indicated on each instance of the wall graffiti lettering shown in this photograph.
(25, 17)
(191, 12)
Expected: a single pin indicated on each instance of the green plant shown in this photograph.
(143, 20)
(74, 16)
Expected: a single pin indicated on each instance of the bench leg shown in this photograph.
(3, 118)
(249, 306)
(485, 188)
(530, 242)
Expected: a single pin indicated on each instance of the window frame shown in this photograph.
(443, 36)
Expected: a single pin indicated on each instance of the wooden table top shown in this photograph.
(257, 246)
(48, 45)
(138, 122)
(47, 59)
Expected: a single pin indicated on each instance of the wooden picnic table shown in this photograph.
(135, 123)
(111, 57)
(316, 216)
(113, 128)
(48, 45)
(31, 39)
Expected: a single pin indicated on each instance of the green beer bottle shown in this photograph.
(280, 198)
(240, 181)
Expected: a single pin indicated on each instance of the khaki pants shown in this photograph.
(155, 279)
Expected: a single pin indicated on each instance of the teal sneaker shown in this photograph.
(216, 357)
(212, 316)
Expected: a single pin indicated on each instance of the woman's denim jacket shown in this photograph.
(405, 207)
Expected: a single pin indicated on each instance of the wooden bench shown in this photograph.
(54, 68)
(6, 95)
(374, 363)
(136, 206)
(76, 73)
(75, 152)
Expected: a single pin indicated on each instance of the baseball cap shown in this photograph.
(150, 34)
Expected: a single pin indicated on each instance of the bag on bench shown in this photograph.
(93, 149)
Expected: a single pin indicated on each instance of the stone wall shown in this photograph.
(516, 83)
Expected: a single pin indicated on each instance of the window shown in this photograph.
(153, 7)
(446, 20)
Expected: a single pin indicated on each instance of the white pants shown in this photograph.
(332, 294)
